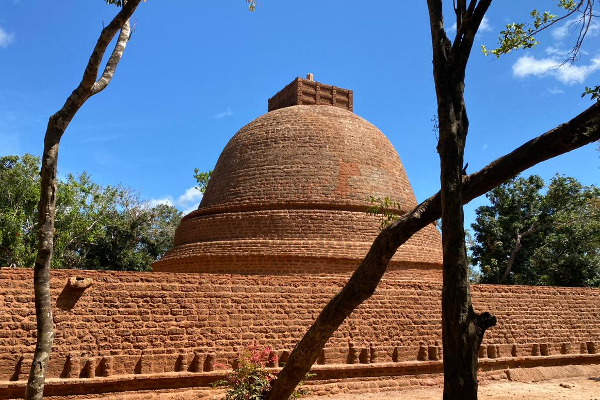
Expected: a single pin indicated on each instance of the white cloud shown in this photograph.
(567, 73)
(561, 31)
(191, 195)
(528, 65)
(191, 208)
(594, 28)
(485, 25)
(6, 38)
(577, 74)
(555, 91)
(556, 51)
(165, 200)
(574, 25)
(452, 29)
(187, 202)
(223, 114)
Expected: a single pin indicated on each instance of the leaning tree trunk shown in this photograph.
(581, 130)
(518, 244)
(57, 124)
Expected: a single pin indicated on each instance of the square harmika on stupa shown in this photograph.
(281, 227)
(290, 191)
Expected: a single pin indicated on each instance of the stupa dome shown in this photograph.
(289, 194)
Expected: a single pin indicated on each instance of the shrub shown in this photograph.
(249, 379)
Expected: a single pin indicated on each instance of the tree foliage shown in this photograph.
(386, 209)
(18, 209)
(97, 227)
(593, 92)
(202, 179)
(528, 236)
(522, 35)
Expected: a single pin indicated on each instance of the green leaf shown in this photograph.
(594, 93)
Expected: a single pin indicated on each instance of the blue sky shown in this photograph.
(197, 71)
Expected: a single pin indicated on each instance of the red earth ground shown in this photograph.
(556, 383)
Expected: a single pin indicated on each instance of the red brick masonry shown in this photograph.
(306, 92)
(132, 329)
(289, 195)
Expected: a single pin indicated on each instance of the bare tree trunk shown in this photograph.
(581, 130)
(513, 255)
(462, 328)
(57, 124)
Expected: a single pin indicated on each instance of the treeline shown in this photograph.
(97, 227)
(533, 234)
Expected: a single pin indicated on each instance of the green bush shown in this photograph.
(249, 379)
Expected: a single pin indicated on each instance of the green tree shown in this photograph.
(97, 227)
(202, 179)
(528, 237)
(18, 209)
(135, 237)
(83, 209)
(523, 35)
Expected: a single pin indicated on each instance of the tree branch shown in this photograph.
(108, 33)
(440, 41)
(581, 130)
(460, 10)
(86, 230)
(513, 255)
(485, 321)
(85, 88)
(113, 61)
(461, 49)
(471, 7)
(588, 13)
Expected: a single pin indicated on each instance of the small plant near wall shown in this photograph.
(249, 379)
(386, 209)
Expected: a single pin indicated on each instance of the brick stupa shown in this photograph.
(290, 191)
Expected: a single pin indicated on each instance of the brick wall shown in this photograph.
(156, 323)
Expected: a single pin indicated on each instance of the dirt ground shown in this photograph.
(571, 382)
(558, 389)
(579, 388)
